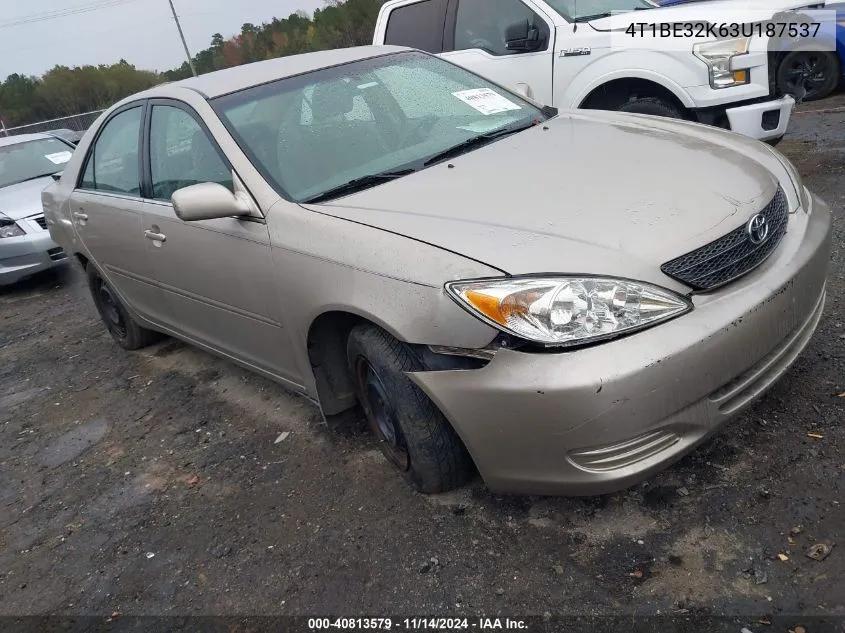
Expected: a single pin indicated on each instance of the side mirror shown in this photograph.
(207, 201)
(522, 37)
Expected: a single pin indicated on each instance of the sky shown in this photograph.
(104, 31)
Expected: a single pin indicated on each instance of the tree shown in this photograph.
(19, 100)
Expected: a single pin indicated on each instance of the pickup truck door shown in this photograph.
(479, 35)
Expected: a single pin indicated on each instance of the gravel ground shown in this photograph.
(152, 483)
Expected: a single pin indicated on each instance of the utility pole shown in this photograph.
(184, 43)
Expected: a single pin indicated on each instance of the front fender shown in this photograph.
(654, 66)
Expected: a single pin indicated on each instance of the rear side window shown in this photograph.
(418, 25)
(113, 161)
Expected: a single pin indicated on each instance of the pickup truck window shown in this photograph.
(418, 25)
(482, 24)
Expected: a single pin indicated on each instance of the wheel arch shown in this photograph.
(616, 91)
(326, 342)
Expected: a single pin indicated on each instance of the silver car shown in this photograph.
(498, 286)
(27, 163)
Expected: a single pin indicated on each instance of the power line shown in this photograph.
(62, 13)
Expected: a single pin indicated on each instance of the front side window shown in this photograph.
(181, 154)
(314, 132)
(113, 161)
(585, 10)
(483, 24)
(30, 160)
(418, 25)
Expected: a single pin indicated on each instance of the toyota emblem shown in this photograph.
(758, 229)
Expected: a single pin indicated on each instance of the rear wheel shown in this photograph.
(412, 433)
(120, 324)
(808, 75)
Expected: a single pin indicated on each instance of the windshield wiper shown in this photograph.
(607, 14)
(477, 141)
(17, 182)
(358, 184)
(596, 16)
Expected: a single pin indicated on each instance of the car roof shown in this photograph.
(23, 138)
(237, 78)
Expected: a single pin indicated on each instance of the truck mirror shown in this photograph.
(522, 37)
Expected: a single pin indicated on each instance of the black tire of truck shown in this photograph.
(412, 433)
(654, 106)
(123, 328)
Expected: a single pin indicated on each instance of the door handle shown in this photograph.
(155, 237)
(80, 216)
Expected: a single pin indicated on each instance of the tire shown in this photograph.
(124, 329)
(413, 434)
(817, 72)
(654, 106)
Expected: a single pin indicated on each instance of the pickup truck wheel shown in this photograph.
(651, 105)
(412, 433)
(120, 324)
(808, 75)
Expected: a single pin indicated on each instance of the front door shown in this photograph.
(475, 38)
(106, 210)
(217, 274)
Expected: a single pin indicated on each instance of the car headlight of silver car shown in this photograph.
(566, 311)
(795, 177)
(8, 228)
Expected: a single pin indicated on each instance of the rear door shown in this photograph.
(217, 275)
(475, 38)
(106, 211)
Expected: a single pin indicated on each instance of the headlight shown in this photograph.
(718, 55)
(795, 177)
(567, 311)
(8, 228)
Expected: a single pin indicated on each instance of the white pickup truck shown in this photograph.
(573, 54)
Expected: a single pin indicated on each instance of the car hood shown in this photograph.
(23, 199)
(732, 12)
(587, 192)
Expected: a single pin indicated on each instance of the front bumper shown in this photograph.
(28, 254)
(599, 419)
(764, 121)
(760, 119)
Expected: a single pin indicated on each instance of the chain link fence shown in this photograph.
(77, 123)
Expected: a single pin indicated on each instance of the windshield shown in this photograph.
(312, 133)
(32, 159)
(581, 10)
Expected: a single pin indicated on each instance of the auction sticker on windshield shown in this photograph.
(486, 101)
(59, 158)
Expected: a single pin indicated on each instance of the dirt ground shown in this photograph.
(152, 483)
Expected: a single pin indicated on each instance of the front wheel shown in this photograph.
(411, 431)
(654, 106)
(124, 329)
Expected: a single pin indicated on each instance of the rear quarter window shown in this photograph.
(418, 25)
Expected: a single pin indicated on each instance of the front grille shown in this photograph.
(732, 255)
(41, 221)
